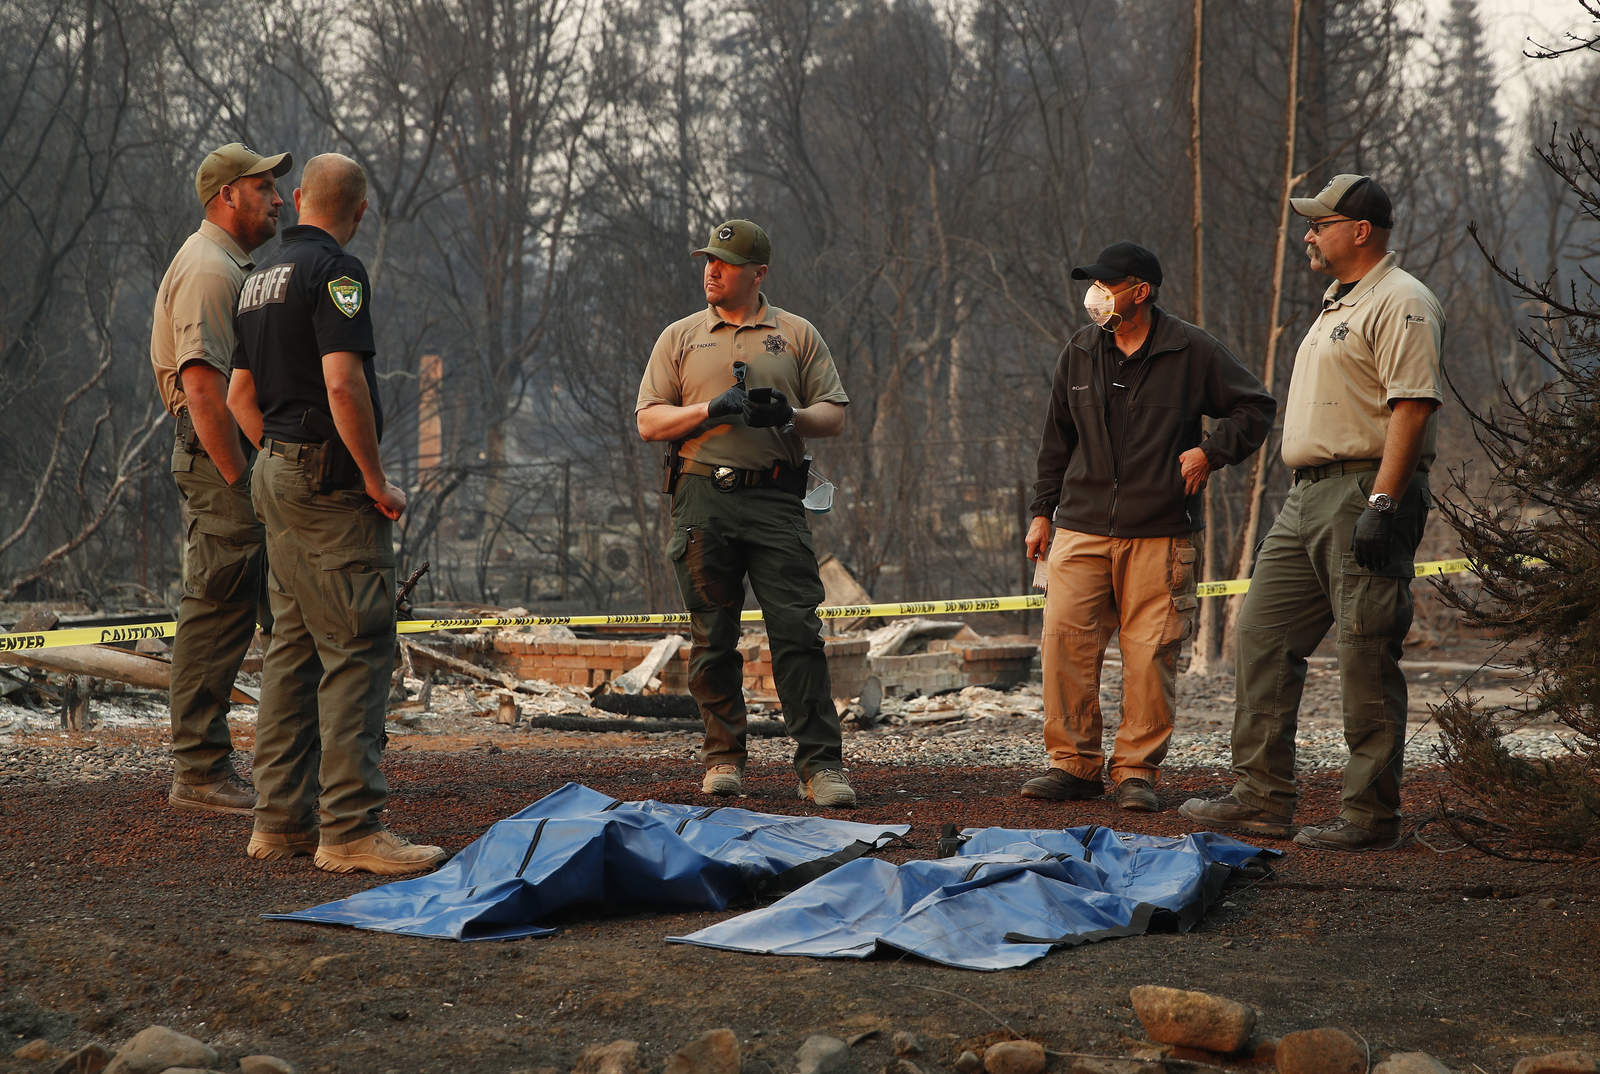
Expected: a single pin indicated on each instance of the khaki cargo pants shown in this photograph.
(1143, 589)
(718, 539)
(325, 684)
(224, 594)
(1305, 581)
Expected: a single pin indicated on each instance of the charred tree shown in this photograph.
(1533, 537)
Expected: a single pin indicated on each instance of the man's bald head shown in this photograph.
(332, 194)
(333, 185)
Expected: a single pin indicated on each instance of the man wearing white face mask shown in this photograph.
(1117, 506)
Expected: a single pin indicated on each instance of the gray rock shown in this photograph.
(1321, 1051)
(1557, 1063)
(716, 1052)
(822, 1054)
(1014, 1057)
(968, 1063)
(1411, 1063)
(265, 1064)
(157, 1048)
(907, 1044)
(1193, 1019)
(618, 1057)
(90, 1059)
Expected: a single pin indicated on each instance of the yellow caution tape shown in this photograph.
(55, 639)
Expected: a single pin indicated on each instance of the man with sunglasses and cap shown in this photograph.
(1358, 435)
(191, 351)
(1122, 465)
(734, 389)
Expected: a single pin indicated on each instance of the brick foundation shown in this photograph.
(947, 665)
(585, 664)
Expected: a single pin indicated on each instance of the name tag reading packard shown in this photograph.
(725, 478)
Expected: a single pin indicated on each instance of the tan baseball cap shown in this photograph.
(738, 242)
(1357, 196)
(228, 163)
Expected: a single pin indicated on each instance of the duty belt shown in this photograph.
(728, 478)
(1335, 469)
(289, 449)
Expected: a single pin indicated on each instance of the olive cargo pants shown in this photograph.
(719, 538)
(1142, 589)
(224, 575)
(325, 684)
(1305, 581)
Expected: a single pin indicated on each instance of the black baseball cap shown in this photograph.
(1119, 261)
(1357, 196)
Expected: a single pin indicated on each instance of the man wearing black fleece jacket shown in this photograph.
(1117, 508)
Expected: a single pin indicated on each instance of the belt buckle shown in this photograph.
(725, 478)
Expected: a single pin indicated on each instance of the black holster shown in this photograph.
(671, 468)
(332, 467)
(186, 434)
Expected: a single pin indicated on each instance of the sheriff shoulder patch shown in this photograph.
(346, 295)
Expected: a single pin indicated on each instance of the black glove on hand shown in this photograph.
(1371, 541)
(768, 407)
(725, 406)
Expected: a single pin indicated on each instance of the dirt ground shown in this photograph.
(117, 912)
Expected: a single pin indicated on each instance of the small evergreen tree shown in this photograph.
(1533, 537)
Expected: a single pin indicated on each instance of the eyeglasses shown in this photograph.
(1316, 227)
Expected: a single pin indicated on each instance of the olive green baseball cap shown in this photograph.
(738, 242)
(228, 163)
(1357, 196)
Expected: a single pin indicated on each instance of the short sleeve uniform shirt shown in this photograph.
(692, 362)
(311, 299)
(194, 310)
(1377, 344)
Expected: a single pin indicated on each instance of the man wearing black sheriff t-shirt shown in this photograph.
(303, 387)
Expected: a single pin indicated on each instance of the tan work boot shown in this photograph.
(230, 794)
(281, 846)
(828, 787)
(383, 852)
(722, 780)
(1230, 814)
(1343, 834)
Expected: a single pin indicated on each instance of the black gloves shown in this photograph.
(768, 407)
(731, 402)
(1371, 542)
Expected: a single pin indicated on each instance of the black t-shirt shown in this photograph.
(311, 299)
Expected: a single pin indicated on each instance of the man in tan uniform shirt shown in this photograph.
(191, 352)
(737, 511)
(1358, 433)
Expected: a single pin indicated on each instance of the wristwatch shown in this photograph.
(1381, 502)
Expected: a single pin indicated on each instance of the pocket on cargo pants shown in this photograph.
(356, 588)
(222, 560)
(1182, 557)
